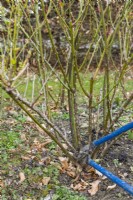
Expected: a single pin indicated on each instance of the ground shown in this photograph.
(33, 167)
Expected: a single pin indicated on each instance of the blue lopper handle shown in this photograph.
(113, 134)
(112, 177)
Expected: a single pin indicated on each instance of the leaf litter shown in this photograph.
(35, 156)
(22, 177)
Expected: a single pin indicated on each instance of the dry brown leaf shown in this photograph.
(65, 146)
(47, 142)
(71, 171)
(25, 158)
(131, 168)
(76, 187)
(45, 161)
(80, 186)
(8, 108)
(71, 174)
(86, 176)
(22, 177)
(13, 150)
(36, 141)
(79, 169)
(40, 145)
(28, 119)
(1, 184)
(76, 178)
(45, 180)
(23, 137)
(64, 162)
(91, 170)
(123, 175)
(94, 187)
(71, 167)
(111, 186)
(39, 129)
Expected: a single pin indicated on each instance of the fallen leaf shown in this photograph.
(13, 150)
(1, 184)
(43, 125)
(131, 168)
(37, 144)
(23, 137)
(25, 158)
(84, 125)
(94, 187)
(91, 170)
(86, 176)
(28, 119)
(36, 141)
(123, 175)
(65, 146)
(76, 179)
(111, 186)
(22, 177)
(64, 162)
(45, 180)
(48, 141)
(104, 177)
(8, 108)
(48, 197)
(79, 169)
(71, 174)
(71, 170)
(98, 173)
(80, 186)
(45, 161)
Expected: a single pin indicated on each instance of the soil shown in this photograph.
(118, 160)
(121, 152)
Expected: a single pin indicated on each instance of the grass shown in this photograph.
(26, 87)
(10, 138)
(54, 88)
(13, 149)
